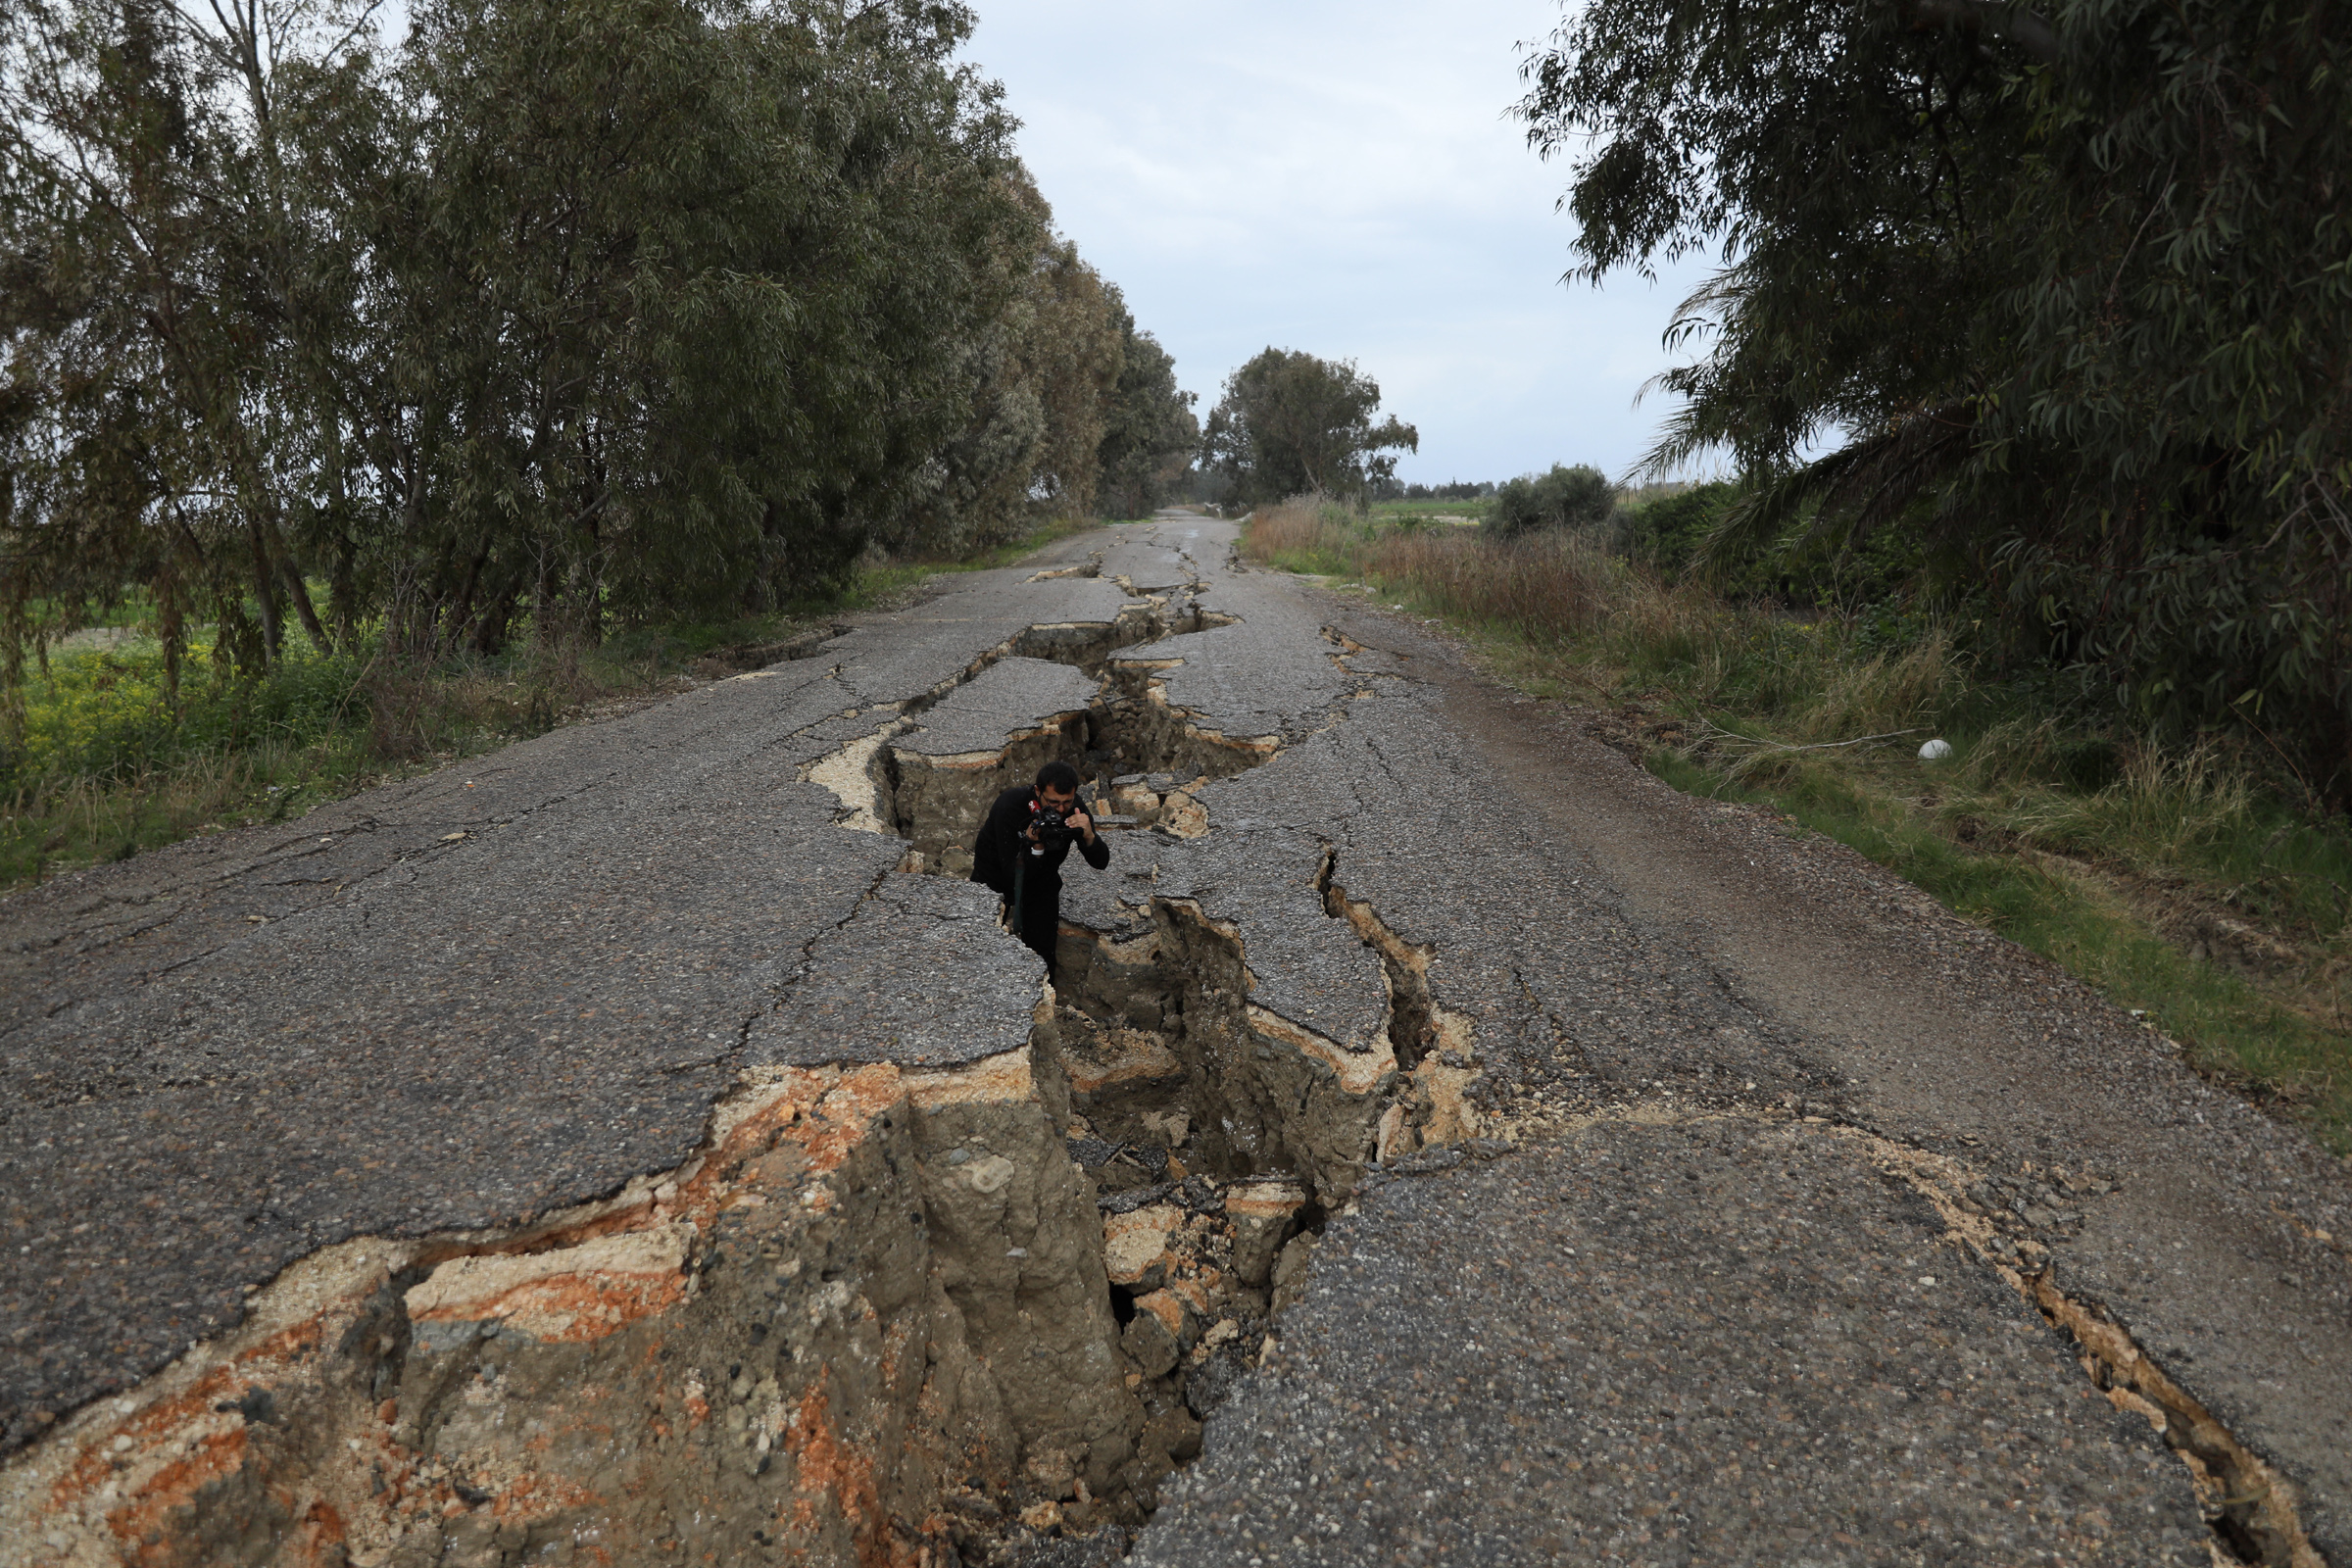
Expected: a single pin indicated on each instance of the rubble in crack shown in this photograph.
(933, 781)
(1219, 1135)
(1219, 1122)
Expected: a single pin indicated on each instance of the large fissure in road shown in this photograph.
(884, 1314)
(1214, 1135)
(922, 1312)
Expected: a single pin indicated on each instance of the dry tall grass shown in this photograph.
(1546, 587)
(1554, 590)
(1775, 698)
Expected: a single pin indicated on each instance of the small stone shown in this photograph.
(989, 1175)
(1290, 1271)
(1176, 1432)
(1265, 1213)
(1136, 1244)
(1053, 1472)
(1212, 1383)
(1148, 1339)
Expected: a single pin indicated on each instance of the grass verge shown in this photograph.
(108, 760)
(2181, 882)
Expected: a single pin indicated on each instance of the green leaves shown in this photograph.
(1579, 496)
(2065, 294)
(560, 311)
(1150, 431)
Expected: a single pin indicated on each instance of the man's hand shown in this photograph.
(1084, 825)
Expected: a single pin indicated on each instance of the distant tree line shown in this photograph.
(556, 312)
(1454, 490)
(2053, 298)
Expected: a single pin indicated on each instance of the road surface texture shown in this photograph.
(1444, 1143)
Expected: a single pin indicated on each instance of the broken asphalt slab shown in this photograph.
(1716, 1340)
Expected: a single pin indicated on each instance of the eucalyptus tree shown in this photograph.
(1289, 423)
(1150, 431)
(1045, 374)
(2067, 292)
(730, 261)
(144, 236)
(556, 309)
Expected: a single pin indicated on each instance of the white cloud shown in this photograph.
(1339, 178)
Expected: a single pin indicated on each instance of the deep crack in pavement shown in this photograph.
(643, 1141)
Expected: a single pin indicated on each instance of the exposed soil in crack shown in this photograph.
(2250, 1507)
(782, 1348)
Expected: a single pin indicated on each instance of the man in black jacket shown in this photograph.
(1021, 846)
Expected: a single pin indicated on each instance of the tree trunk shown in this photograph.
(265, 588)
(300, 593)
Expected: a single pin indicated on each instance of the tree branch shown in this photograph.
(1989, 19)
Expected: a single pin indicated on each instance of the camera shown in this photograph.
(1053, 827)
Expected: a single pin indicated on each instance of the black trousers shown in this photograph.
(1040, 927)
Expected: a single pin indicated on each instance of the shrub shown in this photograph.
(1667, 532)
(1581, 497)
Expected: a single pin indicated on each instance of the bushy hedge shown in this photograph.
(1579, 496)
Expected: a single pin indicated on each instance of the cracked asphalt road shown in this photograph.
(1713, 1341)
(1656, 1317)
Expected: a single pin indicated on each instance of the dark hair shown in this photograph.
(1058, 775)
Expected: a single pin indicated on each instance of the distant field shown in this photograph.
(1435, 514)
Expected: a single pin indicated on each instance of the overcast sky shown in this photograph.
(1339, 178)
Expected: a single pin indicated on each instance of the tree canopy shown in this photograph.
(558, 311)
(1289, 423)
(2066, 294)
(1150, 431)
